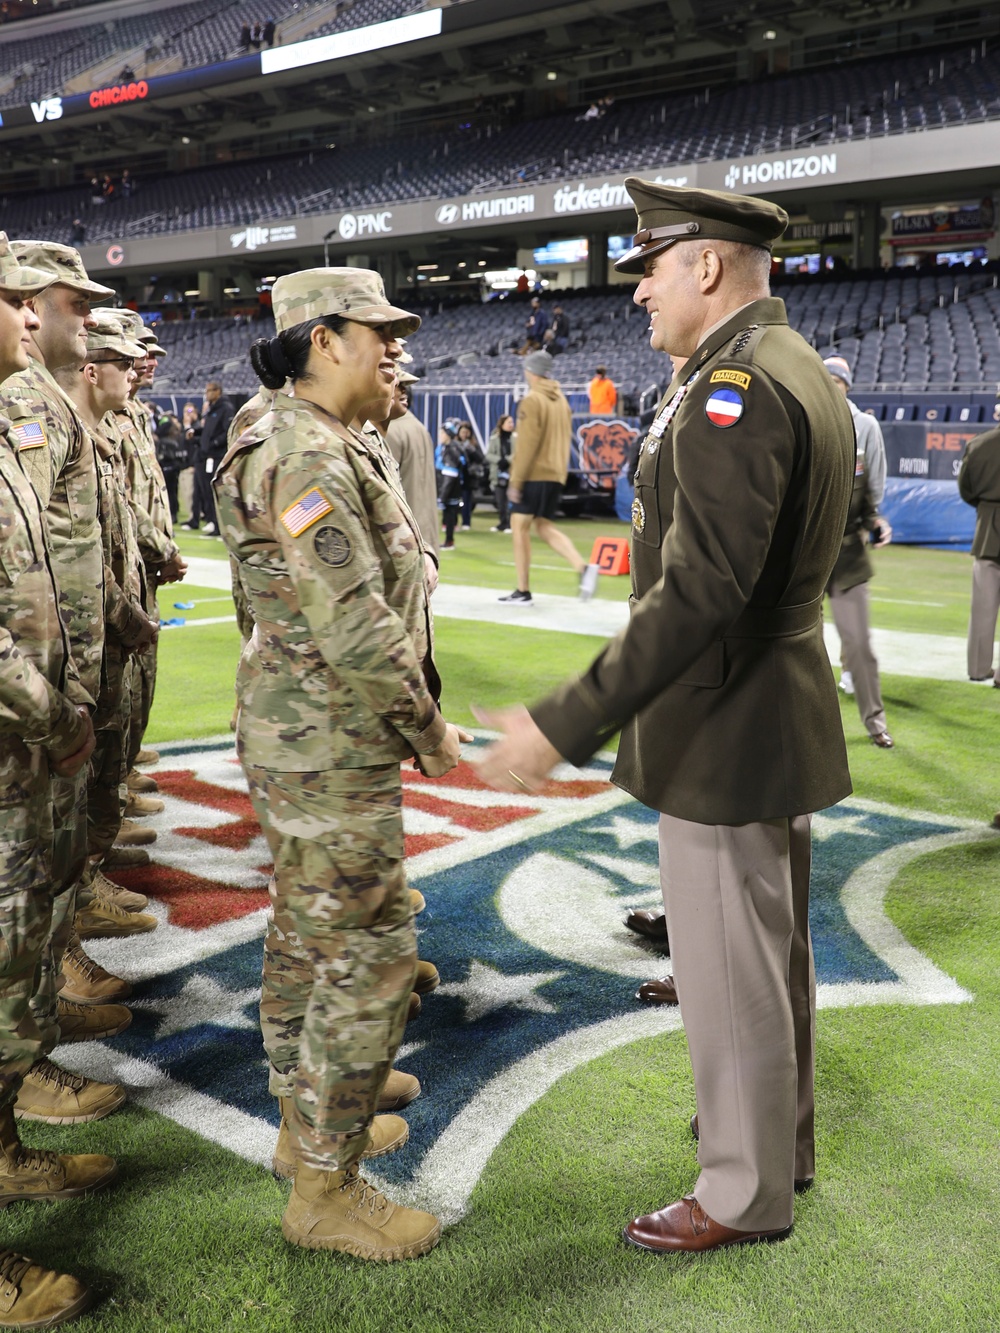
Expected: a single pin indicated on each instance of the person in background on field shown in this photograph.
(498, 456)
(979, 486)
(603, 394)
(473, 471)
(448, 462)
(538, 474)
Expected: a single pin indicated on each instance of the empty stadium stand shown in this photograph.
(917, 347)
(871, 99)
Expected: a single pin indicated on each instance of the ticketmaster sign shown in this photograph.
(601, 202)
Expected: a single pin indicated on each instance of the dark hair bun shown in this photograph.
(269, 362)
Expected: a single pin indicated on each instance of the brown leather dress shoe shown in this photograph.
(883, 740)
(800, 1185)
(650, 925)
(658, 991)
(685, 1227)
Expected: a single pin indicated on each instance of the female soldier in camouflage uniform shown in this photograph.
(336, 687)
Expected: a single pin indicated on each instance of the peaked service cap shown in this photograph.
(671, 213)
(17, 277)
(356, 294)
(111, 336)
(61, 263)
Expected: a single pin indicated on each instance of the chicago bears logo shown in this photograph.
(603, 446)
(525, 899)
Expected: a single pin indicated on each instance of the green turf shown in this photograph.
(899, 1233)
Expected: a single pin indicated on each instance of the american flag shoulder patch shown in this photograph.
(307, 510)
(29, 433)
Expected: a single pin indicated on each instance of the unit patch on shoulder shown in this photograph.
(738, 377)
(307, 510)
(333, 547)
(29, 433)
(724, 407)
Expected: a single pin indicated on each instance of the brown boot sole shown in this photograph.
(111, 997)
(68, 1038)
(346, 1245)
(107, 932)
(425, 987)
(62, 1316)
(77, 1192)
(100, 1114)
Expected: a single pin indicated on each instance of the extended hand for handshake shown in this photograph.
(446, 756)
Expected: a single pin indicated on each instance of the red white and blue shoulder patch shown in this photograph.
(307, 510)
(724, 407)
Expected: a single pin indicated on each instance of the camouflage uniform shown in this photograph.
(57, 457)
(246, 416)
(36, 714)
(334, 693)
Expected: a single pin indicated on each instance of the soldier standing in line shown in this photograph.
(58, 459)
(101, 386)
(45, 730)
(161, 557)
(337, 686)
(411, 446)
(724, 694)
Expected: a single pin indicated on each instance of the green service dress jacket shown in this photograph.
(721, 683)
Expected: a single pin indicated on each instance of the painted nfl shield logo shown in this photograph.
(725, 407)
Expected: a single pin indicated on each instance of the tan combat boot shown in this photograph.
(34, 1297)
(417, 901)
(386, 1134)
(91, 1022)
(147, 757)
(132, 834)
(103, 920)
(86, 982)
(400, 1089)
(340, 1210)
(141, 782)
(58, 1097)
(414, 1006)
(26, 1173)
(137, 804)
(126, 858)
(428, 977)
(110, 892)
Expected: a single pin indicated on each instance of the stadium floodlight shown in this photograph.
(770, 35)
(337, 45)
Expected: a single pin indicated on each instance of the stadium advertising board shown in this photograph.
(927, 451)
(580, 198)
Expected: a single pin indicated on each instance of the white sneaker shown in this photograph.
(210, 530)
(588, 582)
(847, 682)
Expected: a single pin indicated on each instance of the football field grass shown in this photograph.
(899, 1233)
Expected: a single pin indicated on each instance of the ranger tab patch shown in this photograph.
(740, 378)
(29, 434)
(724, 407)
(307, 510)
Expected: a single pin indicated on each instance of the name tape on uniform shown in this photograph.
(307, 510)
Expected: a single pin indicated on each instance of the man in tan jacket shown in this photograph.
(538, 475)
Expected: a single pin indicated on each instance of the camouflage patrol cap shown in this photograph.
(135, 328)
(671, 213)
(61, 263)
(110, 336)
(404, 378)
(354, 293)
(17, 277)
